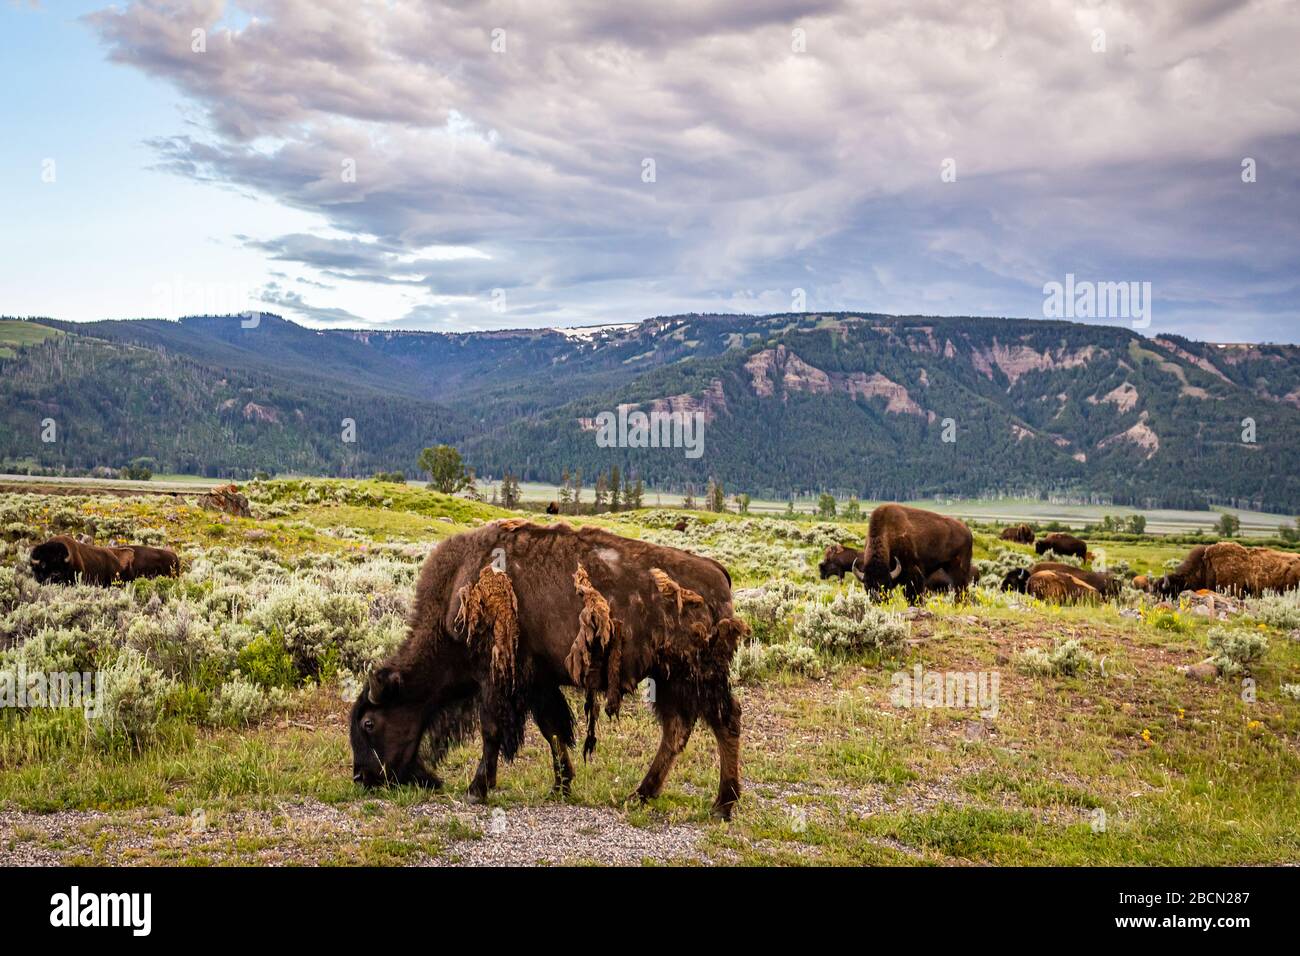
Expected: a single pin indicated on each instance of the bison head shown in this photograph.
(387, 725)
(1016, 580)
(872, 579)
(1171, 585)
(52, 563)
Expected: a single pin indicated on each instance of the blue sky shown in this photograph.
(500, 156)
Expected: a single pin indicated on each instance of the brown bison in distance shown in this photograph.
(506, 615)
(1019, 533)
(680, 525)
(552, 508)
(1230, 568)
(914, 549)
(1107, 585)
(63, 559)
(838, 561)
(1066, 544)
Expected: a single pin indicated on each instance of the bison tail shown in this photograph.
(589, 743)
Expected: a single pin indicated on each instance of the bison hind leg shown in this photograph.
(724, 720)
(555, 721)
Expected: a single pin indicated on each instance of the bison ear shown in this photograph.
(385, 685)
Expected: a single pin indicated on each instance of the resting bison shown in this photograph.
(507, 614)
(552, 509)
(917, 549)
(63, 559)
(1020, 533)
(838, 560)
(1106, 585)
(1230, 568)
(1060, 588)
(1066, 544)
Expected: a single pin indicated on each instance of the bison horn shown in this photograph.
(860, 575)
(896, 569)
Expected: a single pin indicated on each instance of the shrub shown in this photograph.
(239, 703)
(1291, 691)
(133, 694)
(1065, 659)
(1276, 610)
(851, 623)
(1234, 650)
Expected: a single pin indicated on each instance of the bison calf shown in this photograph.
(507, 614)
(838, 561)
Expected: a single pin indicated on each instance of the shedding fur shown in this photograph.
(489, 607)
(674, 591)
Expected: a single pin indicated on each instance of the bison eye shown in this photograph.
(368, 725)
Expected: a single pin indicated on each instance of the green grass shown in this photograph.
(1181, 772)
(15, 334)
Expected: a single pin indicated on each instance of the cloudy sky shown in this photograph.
(419, 164)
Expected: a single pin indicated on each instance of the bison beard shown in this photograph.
(917, 549)
(582, 608)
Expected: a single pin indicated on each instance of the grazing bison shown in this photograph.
(63, 559)
(507, 614)
(1231, 568)
(1060, 588)
(1142, 582)
(838, 560)
(1066, 544)
(1106, 585)
(916, 549)
(552, 508)
(680, 525)
(1020, 533)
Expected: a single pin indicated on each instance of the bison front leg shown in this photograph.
(725, 723)
(676, 731)
(485, 777)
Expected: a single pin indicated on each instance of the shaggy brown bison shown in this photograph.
(838, 561)
(680, 525)
(1104, 584)
(63, 559)
(1058, 587)
(916, 549)
(1230, 568)
(1019, 533)
(507, 614)
(1066, 544)
(552, 508)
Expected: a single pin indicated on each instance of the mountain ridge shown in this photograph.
(854, 402)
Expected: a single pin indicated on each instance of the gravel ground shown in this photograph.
(305, 834)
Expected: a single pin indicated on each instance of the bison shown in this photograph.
(917, 549)
(838, 560)
(1066, 544)
(508, 614)
(63, 559)
(1060, 588)
(1231, 568)
(680, 525)
(552, 508)
(1020, 533)
(1104, 584)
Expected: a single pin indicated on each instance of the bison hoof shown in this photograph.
(476, 796)
(722, 811)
